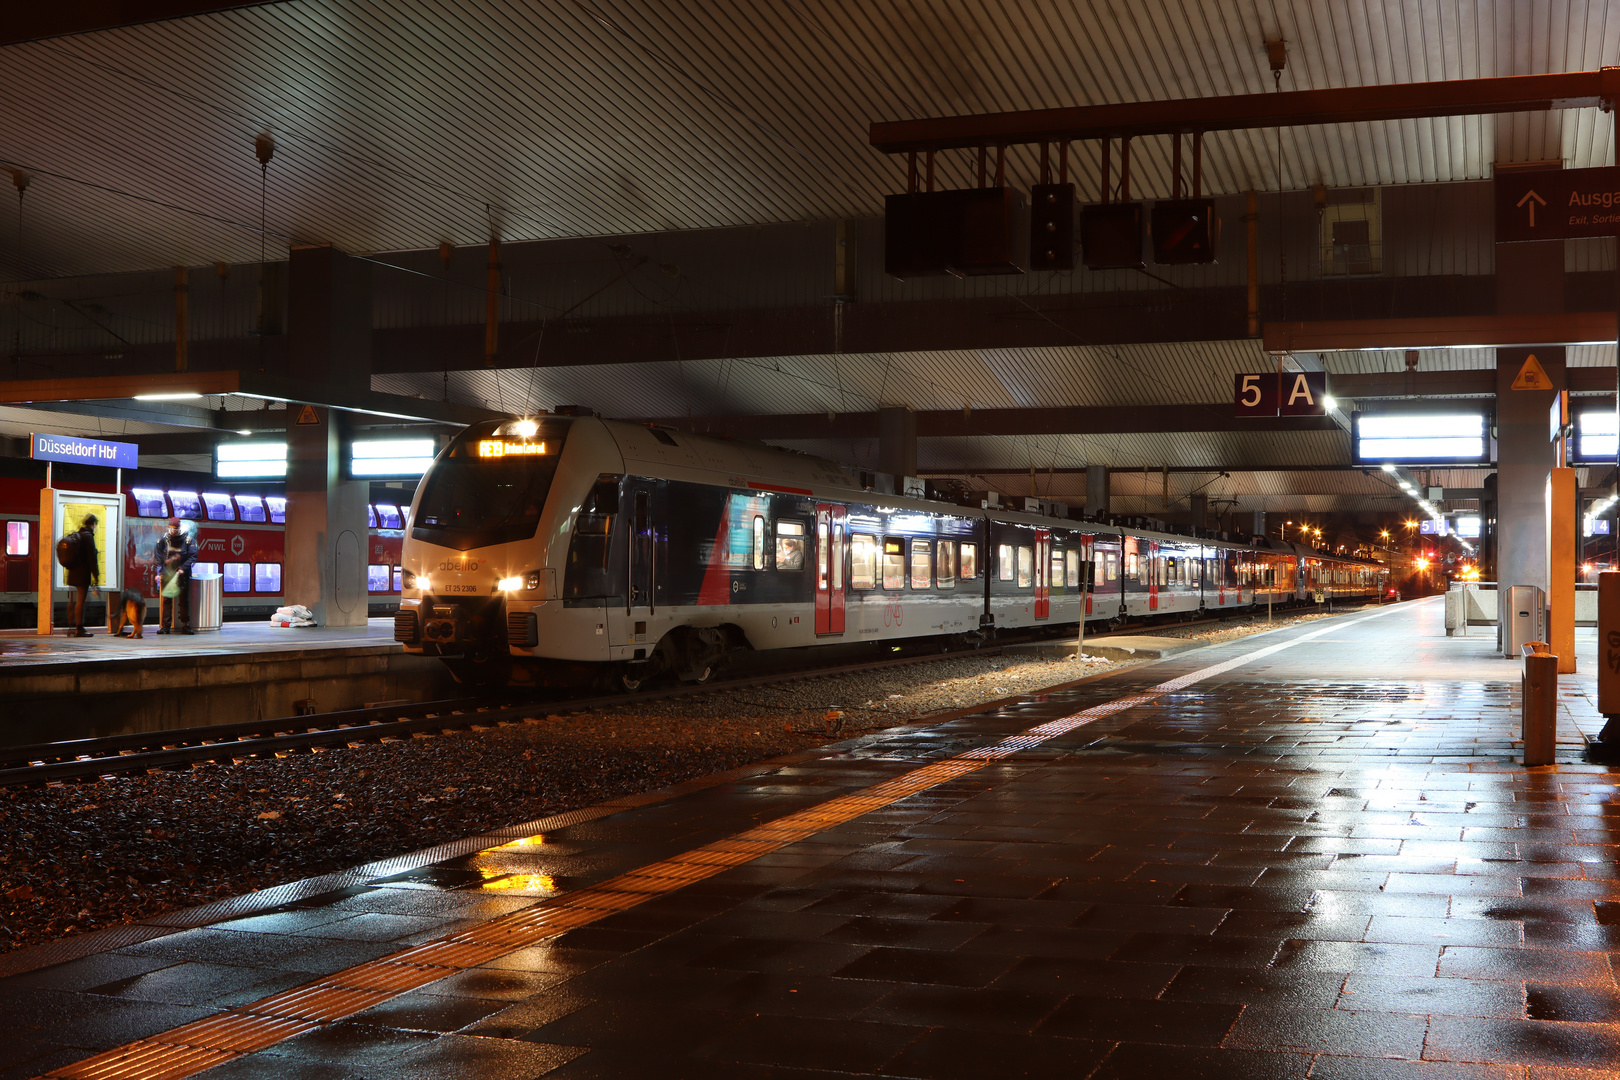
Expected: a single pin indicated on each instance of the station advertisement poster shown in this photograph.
(68, 514)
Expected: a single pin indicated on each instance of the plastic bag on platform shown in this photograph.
(293, 615)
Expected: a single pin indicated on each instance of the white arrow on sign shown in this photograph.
(1529, 195)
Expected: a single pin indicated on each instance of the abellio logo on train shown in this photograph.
(450, 564)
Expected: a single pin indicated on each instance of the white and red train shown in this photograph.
(239, 534)
(551, 548)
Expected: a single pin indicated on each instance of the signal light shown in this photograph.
(965, 232)
(1111, 236)
(1051, 227)
(1185, 231)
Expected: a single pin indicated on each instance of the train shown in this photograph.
(239, 533)
(566, 547)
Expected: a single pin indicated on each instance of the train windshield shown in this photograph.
(490, 485)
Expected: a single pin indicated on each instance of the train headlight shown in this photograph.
(409, 580)
(510, 584)
(531, 580)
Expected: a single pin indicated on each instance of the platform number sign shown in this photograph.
(1288, 393)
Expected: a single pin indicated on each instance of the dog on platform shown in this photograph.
(131, 613)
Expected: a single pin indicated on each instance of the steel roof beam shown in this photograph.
(1089, 420)
(1293, 108)
(1446, 332)
(36, 22)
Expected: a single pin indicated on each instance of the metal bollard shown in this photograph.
(1538, 716)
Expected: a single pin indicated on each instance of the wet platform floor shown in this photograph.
(27, 648)
(1305, 853)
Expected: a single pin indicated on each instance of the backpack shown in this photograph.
(67, 551)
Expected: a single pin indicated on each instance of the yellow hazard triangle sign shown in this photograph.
(1532, 376)
(307, 415)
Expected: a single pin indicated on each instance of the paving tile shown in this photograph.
(1530, 965)
(944, 1054)
(1089, 978)
(1360, 1034)
(923, 966)
(1124, 1020)
(1242, 986)
(963, 1008)
(428, 1012)
(1523, 1042)
(811, 1043)
(1132, 1061)
(641, 1026)
(1453, 997)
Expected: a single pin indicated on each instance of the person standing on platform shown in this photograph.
(173, 556)
(83, 574)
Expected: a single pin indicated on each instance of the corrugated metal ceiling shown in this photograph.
(400, 123)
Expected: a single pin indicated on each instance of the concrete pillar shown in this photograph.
(1199, 507)
(1096, 490)
(329, 343)
(1529, 280)
(897, 442)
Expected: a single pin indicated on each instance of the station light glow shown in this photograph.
(390, 457)
(250, 460)
(178, 395)
(1438, 437)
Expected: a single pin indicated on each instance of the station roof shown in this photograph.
(399, 125)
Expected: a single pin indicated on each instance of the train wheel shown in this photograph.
(630, 682)
(701, 675)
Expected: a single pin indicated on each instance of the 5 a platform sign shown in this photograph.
(1286, 393)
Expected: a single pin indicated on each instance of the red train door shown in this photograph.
(1088, 574)
(830, 568)
(1043, 573)
(1153, 575)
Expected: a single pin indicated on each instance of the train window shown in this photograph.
(1056, 580)
(371, 516)
(759, 543)
(251, 507)
(399, 579)
(149, 502)
(1071, 573)
(862, 561)
(823, 550)
(186, 504)
(894, 564)
(238, 577)
(267, 577)
(1026, 567)
(1130, 564)
(205, 569)
(968, 564)
(922, 564)
(16, 538)
(377, 578)
(277, 505)
(1004, 562)
(219, 506)
(389, 517)
(790, 545)
(945, 572)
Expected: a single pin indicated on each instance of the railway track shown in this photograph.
(88, 759)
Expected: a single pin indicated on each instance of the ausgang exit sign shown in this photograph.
(1557, 204)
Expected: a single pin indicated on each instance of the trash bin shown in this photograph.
(207, 600)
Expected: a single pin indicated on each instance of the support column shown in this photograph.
(1529, 279)
(1096, 490)
(897, 443)
(329, 343)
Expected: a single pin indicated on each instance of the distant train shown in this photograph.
(239, 535)
(556, 548)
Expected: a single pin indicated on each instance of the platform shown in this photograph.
(58, 687)
(1309, 852)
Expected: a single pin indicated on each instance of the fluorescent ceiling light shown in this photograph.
(391, 457)
(178, 395)
(250, 460)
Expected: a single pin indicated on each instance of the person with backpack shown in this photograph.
(83, 565)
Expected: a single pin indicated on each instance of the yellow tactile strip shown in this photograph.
(187, 1050)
